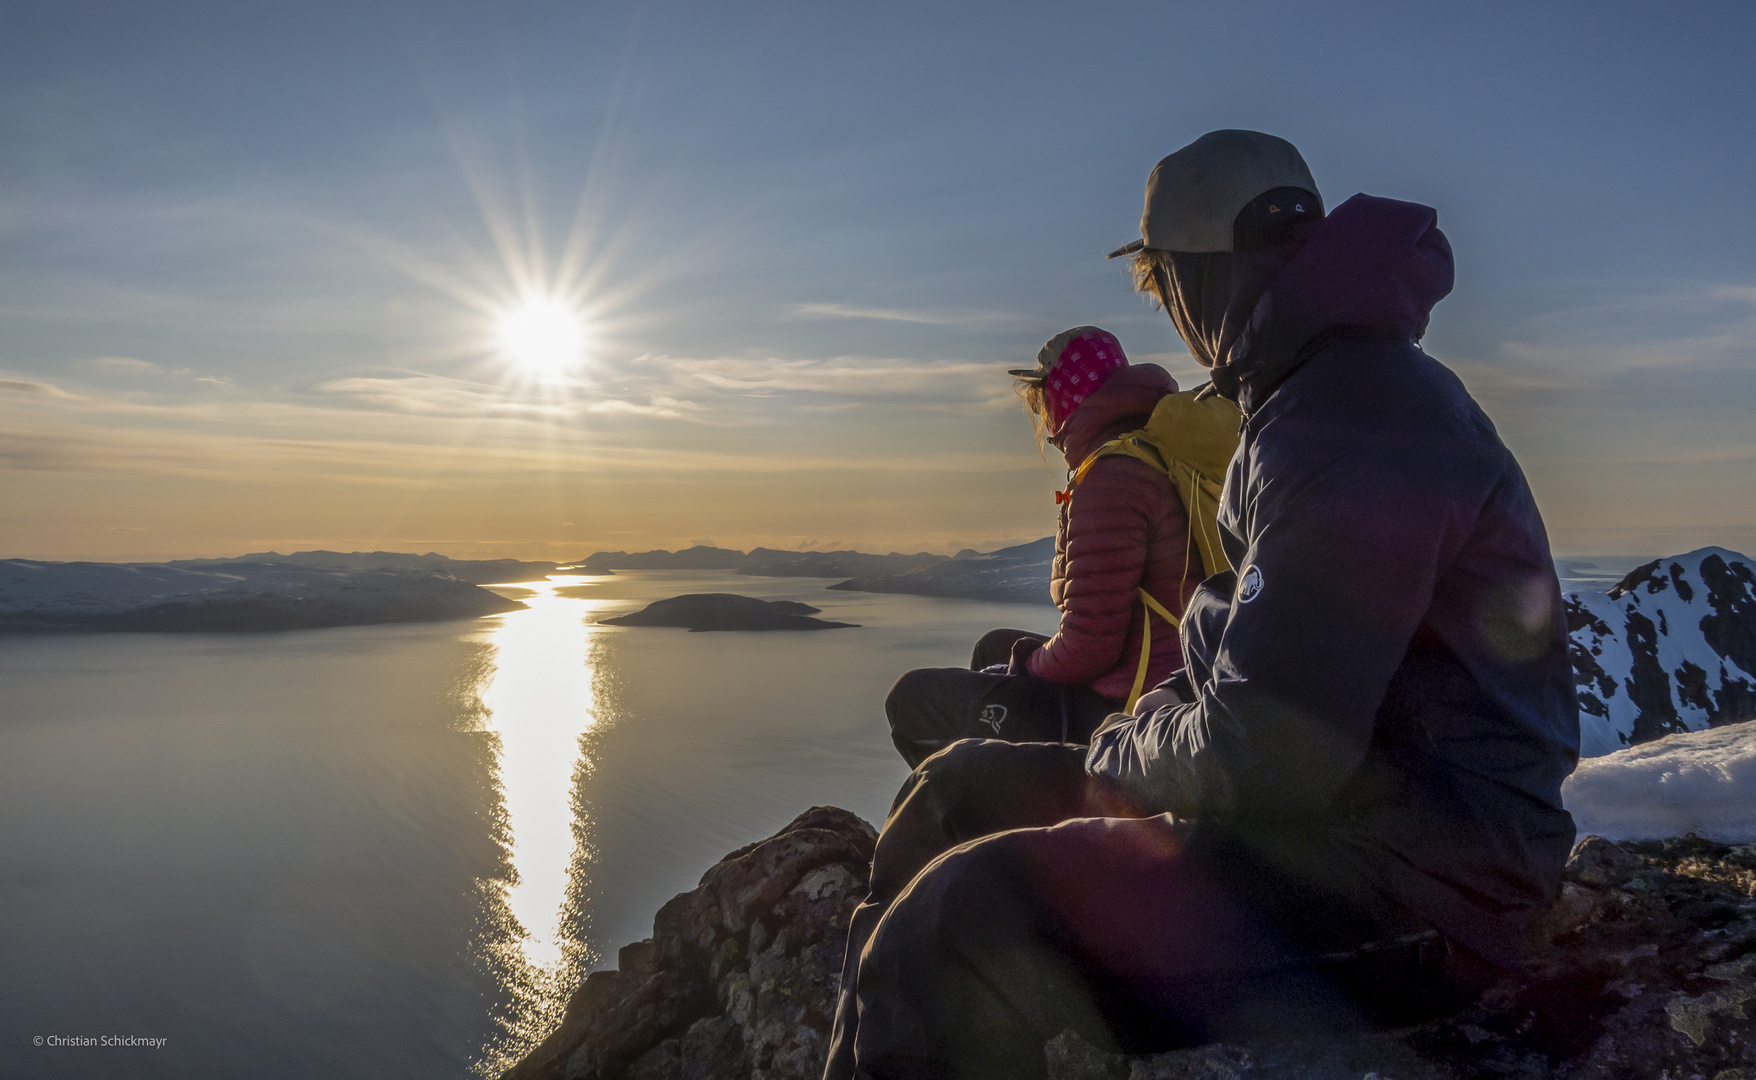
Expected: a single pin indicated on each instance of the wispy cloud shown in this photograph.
(854, 377)
(929, 318)
(1699, 327)
(121, 365)
(25, 386)
(383, 429)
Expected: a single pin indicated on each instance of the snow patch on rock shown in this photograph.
(1701, 782)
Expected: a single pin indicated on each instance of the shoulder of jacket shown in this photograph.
(1116, 470)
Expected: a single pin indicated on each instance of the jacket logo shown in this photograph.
(993, 716)
(1250, 585)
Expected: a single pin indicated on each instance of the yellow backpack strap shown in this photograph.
(1129, 445)
(1146, 643)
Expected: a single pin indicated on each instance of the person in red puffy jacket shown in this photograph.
(1122, 528)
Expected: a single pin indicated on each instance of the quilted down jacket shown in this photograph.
(1123, 529)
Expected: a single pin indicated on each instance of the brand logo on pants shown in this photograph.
(993, 716)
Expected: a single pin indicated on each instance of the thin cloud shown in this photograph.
(928, 318)
(842, 376)
(122, 365)
(22, 386)
(437, 395)
(1623, 333)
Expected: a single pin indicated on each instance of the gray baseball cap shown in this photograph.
(1194, 196)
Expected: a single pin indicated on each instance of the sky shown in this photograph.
(256, 258)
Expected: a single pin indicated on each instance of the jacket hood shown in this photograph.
(1126, 396)
(1374, 267)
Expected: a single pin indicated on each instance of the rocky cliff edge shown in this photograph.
(1645, 968)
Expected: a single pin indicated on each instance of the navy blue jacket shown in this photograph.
(1389, 663)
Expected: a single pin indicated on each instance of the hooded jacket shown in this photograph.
(1123, 528)
(1387, 671)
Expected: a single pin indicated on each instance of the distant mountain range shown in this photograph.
(475, 571)
(762, 562)
(238, 596)
(1672, 647)
(1016, 575)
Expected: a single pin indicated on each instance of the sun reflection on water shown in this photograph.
(539, 703)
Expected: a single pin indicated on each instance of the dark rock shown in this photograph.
(1016, 575)
(727, 611)
(739, 978)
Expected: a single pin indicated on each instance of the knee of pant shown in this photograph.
(902, 699)
(960, 888)
(962, 758)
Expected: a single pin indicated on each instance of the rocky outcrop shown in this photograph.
(1671, 648)
(727, 611)
(1014, 575)
(1644, 969)
(38, 596)
(739, 977)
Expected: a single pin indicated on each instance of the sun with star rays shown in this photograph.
(543, 336)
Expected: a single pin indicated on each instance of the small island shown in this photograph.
(700, 612)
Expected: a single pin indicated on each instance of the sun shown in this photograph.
(543, 335)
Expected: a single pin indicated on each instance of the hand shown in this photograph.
(1155, 699)
(1022, 649)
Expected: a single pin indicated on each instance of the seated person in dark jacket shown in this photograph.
(1357, 812)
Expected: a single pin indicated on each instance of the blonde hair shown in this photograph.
(1036, 406)
(1150, 275)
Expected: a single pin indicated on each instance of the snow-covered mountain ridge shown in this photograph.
(1672, 647)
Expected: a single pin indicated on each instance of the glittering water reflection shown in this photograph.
(538, 699)
(539, 702)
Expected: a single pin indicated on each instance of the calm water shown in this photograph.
(391, 851)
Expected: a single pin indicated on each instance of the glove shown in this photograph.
(1021, 654)
(1175, 690)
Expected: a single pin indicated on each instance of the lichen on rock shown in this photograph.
(739, 978)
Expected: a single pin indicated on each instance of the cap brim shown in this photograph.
(1028, 373)
(1126, 249)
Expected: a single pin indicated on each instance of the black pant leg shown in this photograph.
(1137, 933)
(1142, 933)
(970, 790)
(931, 708)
